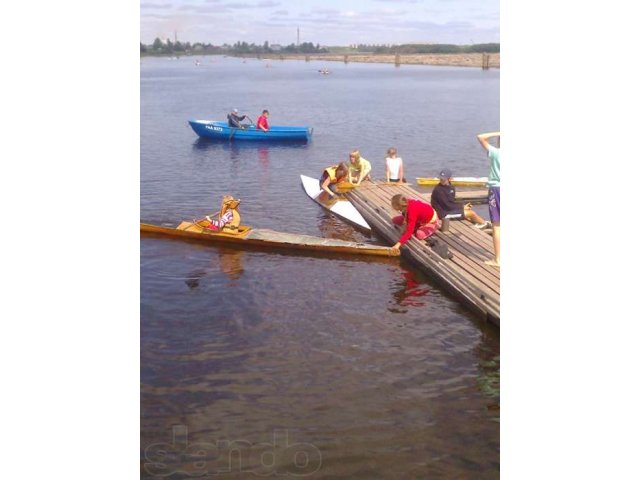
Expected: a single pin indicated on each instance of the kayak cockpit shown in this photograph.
(200, 226)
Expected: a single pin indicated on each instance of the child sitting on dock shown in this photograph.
(420, 217)
(443, 200)
(395, 168)
(332, 176)
(228, 217)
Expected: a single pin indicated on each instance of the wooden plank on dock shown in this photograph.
(465, 275)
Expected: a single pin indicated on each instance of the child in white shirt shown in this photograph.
(395, 168)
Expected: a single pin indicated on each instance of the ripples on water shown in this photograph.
(362, 365)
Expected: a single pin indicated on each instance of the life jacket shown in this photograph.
(331, 172)
(230, 204)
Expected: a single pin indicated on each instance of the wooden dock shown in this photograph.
(465, 275)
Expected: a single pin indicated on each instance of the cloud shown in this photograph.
(326, 11)
(206, 9)
(382, 21)
(156, 5)
(261, 4)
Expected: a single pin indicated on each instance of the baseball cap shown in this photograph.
(235, 110)
(446, 173)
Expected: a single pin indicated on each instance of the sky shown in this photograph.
(324, 22)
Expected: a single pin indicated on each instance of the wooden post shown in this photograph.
(397, 59)
(281, 57)
(485, 61)
(306, 58)
(346, 59)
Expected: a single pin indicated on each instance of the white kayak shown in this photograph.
(341, 207)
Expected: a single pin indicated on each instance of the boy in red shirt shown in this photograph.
(420, 218)
(263, 124)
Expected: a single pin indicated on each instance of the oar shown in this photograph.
(195, 222)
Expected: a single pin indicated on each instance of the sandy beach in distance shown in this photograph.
(455, 59)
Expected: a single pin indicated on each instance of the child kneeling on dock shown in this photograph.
(228, 217)
(420, 217)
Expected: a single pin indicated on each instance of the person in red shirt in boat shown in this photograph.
(263, 124)
(420, 217)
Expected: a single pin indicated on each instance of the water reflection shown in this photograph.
(488, 355)
(409, 292)
(229, 262)
(331, 226)
(216, 144)
(238, 149)
(194, 277)
(263, 156)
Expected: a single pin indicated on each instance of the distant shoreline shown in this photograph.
(437, 59)
(442, 59)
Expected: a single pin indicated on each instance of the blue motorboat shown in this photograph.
(222, 131)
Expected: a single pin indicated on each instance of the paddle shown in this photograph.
(344, 187)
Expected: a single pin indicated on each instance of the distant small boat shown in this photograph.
(341, 207)
(222, 130)
(324, 71)
(455, 181)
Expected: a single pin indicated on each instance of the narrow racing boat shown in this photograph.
(247, 236)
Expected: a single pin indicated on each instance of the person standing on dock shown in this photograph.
(420, 217)
(263, 124)
(494, 191)
(395, 168)
(359, 167)
(443, 199)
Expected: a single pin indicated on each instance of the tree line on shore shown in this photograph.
(158, 47)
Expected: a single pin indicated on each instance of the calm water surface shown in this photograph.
(255, 363)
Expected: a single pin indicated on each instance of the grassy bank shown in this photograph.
(442, 59)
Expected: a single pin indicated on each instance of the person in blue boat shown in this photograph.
(493, 153)
(263, 122)
(235, 118)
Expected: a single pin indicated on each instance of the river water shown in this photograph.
(259, 363)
